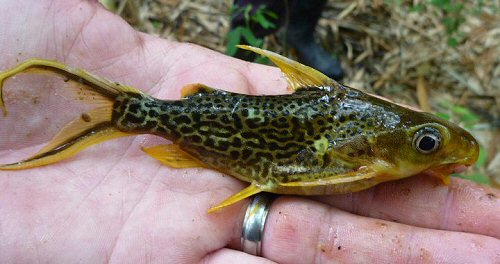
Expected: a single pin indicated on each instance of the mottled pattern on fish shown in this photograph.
(281, 138)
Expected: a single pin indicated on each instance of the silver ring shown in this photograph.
(254, 222)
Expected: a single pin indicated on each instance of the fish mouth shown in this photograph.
(443, 172)
(457, 166)
(447, 169)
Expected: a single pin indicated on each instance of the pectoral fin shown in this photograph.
(173, 156)
(297, 74)
(245, 193)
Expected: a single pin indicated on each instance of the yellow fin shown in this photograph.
(192, 89)
(83, 123)
(173, 156)
(297, 75)
(247, 192)
(62, 149)
(89, 128)
(362, 174)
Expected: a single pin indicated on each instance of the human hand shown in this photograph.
(112, 202)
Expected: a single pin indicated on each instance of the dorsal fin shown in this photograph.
(297, 75)
(195, 88)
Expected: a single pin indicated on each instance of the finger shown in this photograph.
(302, 231)
(226, 255)
(422, 201)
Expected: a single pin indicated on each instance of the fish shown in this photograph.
(323, 138)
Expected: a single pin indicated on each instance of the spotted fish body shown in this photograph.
(324, 138)
(284, 138)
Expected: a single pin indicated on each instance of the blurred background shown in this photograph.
(442, 56)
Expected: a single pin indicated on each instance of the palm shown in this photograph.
(112, 191)
(112, 202)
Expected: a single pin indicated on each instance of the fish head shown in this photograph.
(428, 144)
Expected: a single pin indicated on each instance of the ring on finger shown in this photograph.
(254, 223)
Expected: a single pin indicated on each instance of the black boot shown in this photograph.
(304, 16)
(302, 19)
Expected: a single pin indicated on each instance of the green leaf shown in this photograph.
(457, 109)
(451, 24)
(271, 14)
(443, 116)
(262, 20)
(418, 8)
(250, 37)
(246, 14)
(476, 177)
(446, 104)
(398, 2)
(235, 11)
(233, 39)
(453, 42)
(465, 114)
(156, 23)
(454, 8)
(440, 3)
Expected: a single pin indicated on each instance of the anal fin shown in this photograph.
(173, 156)
(245, 193)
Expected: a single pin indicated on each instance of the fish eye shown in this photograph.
(427, 140)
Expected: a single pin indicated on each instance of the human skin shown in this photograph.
(113, 203)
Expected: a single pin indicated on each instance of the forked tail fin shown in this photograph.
(90, 128)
